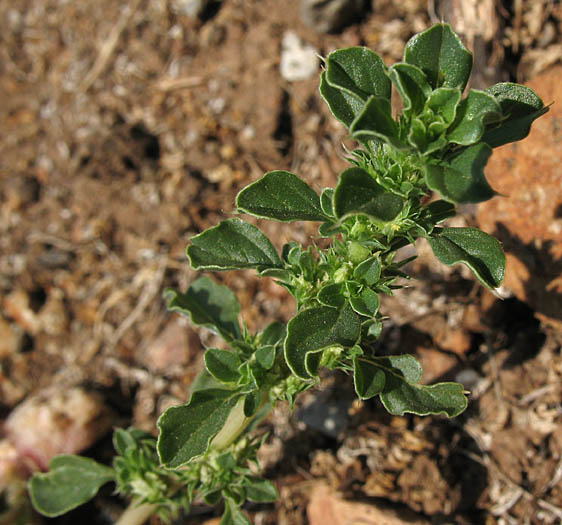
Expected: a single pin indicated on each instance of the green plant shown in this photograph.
(439, 142)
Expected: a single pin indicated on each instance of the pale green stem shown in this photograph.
(234, 425)
(136, 514)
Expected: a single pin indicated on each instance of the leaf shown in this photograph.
(70, 482)
(208, 304)
(375, 122)
(481, 252)
(223, 365)
(232, 515)
(444, 101)
(327, 201)
(186, 430)
(400, 391)
(368, 379)
(252, 403)
(203, 381)
(440, 54)
(315, 329)
(265, 356)
(332, 295)
(369, 271)
(232, 245)
(463, 179)
(411, 83)
(282, 196)
(343, 106)
(357, 193)
(274, 333)
(260, 490)
(473, 113)
(520, 106)
(400, 397)
(359, 72)
(367, 303)
(437, 211)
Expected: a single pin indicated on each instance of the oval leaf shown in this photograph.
(358, 193)
(314, 329)
(223, 365)
(70, 482)
(473, 113)
(186, 430)
(260, 490)
(520, 106)
(481, 252)
(375, 122)
(440, 54)
(368, 379)
(232, 245)
(208, 304)
(402, 393)
(359, 72)
(411, 83)
(344, 107)
(282, 196)
(463, 180)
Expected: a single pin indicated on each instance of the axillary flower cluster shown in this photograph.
(437, 146)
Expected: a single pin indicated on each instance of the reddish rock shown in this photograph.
(528, 220)
(170, 348)
(56, 421)
(326, 507)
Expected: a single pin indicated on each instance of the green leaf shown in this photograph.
(407, 366)
(265, 356)
(204, 381)
(343, 106)
(366, 303)
(520, 106)
(208, 304)
(232, 515)
(315, 329)
(357, 193)
(260, 490)
(282, 196)
(252, 403)
(481, 252)
(400, 391)
(369, 271)
(463, 179)
(368, 379)
(438, 211)
(375, 122)
(440, 54)
(327, 201)
(332, 295)
(70, 482)
(400, 397)
(232, 245)
(223, 365)
(274, 333)
(186, 430)
(411, 83)
(359, 72)
(444, 101)
(473, 113)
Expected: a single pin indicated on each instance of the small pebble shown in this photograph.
(299, 61)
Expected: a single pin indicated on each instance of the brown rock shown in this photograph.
(56, 421)
(528, 220)
(326, 507)
(10, 339)
(170, 348)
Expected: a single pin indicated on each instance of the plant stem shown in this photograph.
(136, 514)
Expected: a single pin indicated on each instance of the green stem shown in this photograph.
(136, 514)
